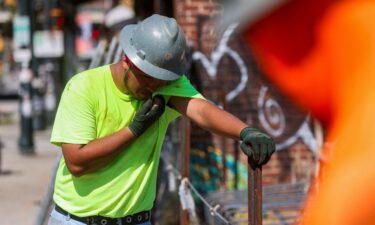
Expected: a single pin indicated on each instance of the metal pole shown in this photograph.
(99, 52)
(236, 155)
(185, 162)
(111, 50)
(157, 7)
(254, 194)
(224, 150)
(26, 142)
(117, 56)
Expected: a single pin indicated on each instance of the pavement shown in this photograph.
(24, 179)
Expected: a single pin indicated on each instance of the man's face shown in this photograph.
(139, 84)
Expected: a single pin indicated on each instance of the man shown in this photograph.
(111, 122)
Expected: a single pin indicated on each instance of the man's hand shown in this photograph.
(257, 146)
(151, 110)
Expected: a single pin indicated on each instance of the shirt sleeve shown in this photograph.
(75, 117)
(180, 88)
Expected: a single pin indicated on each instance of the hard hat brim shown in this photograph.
(144, 65)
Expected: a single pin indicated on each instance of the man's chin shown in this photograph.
(142, 96)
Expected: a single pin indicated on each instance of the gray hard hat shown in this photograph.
(156, 46)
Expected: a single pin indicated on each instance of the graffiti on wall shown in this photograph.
(270, 112)
(211, 63)
(272, 119)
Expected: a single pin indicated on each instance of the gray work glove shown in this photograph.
(151, 110)
(257, 145)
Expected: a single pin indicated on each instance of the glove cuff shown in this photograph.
(136, 131)
(245, 131)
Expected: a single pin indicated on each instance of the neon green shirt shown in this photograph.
(92, 107)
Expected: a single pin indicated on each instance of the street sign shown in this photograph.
(21, 32)
(48, 44)
(21, 38)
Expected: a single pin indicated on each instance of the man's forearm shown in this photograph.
(219, 121)
(82, 159)
(209, 116)
(256, 145)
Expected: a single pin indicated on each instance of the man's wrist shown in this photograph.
(246, 131)
(136, 132)
(131, 133)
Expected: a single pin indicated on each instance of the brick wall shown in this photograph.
(258, 103)
(188, 11)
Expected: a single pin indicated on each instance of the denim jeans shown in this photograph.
(57, 218)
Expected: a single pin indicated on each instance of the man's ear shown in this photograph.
(124, 64)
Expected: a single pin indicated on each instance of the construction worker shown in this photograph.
(111, 122)
(321, 54)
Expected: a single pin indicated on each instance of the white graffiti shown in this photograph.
(212, 63)
(272, 119)
(270, 114)
(304, 132)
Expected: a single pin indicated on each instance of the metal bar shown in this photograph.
(224, 149)
(224, 162)
(99, 52)
(157, 7)
(118, 53)
(185, 162)
(254, 194)
(236, 155)
(111, 50)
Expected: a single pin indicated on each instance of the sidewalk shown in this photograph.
(24, 179)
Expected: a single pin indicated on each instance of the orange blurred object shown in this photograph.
(322, 54)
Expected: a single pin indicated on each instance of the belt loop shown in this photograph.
(128, 219)
(119, 222)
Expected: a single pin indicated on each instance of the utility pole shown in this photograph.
(23, 54)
